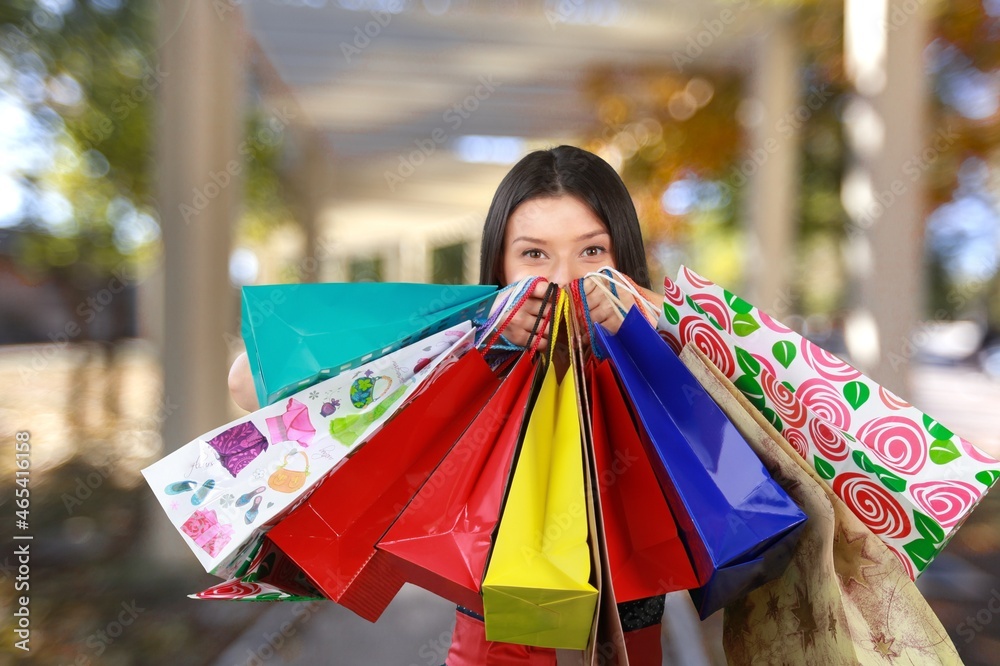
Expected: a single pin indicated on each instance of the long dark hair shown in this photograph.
(576, 172)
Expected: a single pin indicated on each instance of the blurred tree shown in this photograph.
(669, 133)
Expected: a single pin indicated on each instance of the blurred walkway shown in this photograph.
(85, 413)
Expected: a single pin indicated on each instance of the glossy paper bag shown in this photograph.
(537, 588)
(332, 536)
(299, 334)
(442, 538)
(739, 525)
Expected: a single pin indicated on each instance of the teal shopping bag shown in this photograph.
(299, 334)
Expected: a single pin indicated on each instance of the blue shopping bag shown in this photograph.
(299, 334)
(739, 525)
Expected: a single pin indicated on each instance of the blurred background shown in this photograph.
(836, 163)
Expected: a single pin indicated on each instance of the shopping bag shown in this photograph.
(299, 334)
(537, 588)
(332, 535)
(224, 489)
(646, 554)
(739, 525)
(267, 575)
(441, 539)
(844, 598)
(909, 478)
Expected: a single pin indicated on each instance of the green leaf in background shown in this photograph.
(987, 477)
(744, 324)
(670, 312)
(737, 304)
(748, 363)
(943, 451)
(937, 430)
(921, 551)
(784, 352)
(823, 468)
(856, 393)
(771, 416)
(928, 527)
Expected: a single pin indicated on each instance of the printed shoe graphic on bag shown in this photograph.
(238, 446)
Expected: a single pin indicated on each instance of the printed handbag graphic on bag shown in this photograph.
(286, 480)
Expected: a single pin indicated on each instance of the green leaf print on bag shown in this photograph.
(921, 552)
(750, 387)
(738, 305)
(744, 324)
(773, 417)
(347, 429)
(748, 363)
(937, 430)
(856, 394)
(671, 314)
(888, 479)
(943, 451)
(784, 352)
(928, 527)
(987, 477)
(823, 468)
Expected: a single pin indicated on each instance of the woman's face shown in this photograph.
(557, 237)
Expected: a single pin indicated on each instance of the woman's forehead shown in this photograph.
(554, 218)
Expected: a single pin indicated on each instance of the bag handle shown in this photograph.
(284, 461)
(560, 315)
(616, 278)
(583, 311)
(521, 300)
(511, 291)
(544, 317)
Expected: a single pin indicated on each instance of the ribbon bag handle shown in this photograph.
(647, 308)
(522, 299)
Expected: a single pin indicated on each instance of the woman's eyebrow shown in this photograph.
(537, 241)
(599, 232)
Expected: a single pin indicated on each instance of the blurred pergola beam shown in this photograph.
(884, 124)
(771, 165)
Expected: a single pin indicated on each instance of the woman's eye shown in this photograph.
(594, 251)
(532, 254)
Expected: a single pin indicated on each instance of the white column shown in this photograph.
(199, 127)
(884, 125)
(772, 189)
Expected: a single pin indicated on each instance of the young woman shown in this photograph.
(560, 214)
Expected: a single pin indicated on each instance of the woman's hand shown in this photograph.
(241, 386)
(519, 329)
(604, 311)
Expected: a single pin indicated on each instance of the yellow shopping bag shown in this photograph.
(537, 588)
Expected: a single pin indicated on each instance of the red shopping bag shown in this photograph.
(332, 535)
(645, 552)
(442, 538)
